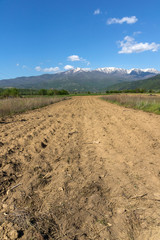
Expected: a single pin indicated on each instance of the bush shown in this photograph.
(10, 92)
(63, 92)
(52, 92)
(42, 92)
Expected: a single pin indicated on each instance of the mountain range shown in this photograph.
(147, 84)
(81, 79)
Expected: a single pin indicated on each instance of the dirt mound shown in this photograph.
(81, 169)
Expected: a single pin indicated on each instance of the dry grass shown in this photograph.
(17, 105)
(149, 103)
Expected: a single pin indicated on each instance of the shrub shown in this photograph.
(10, 92)
(42, 92)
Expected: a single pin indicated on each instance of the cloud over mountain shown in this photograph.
(50, 69)
(76, 58)
(68, 67)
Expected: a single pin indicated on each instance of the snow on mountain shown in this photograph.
(126, 71)
(137, 70)
(151, 70)
(81, 79)
(78, 70)
(113, 70)
(110, 70)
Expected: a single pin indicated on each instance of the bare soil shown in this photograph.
(82, 169)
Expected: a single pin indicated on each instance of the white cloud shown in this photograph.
(128, 20)
(97, 12)
(137, 33)
(129, 45)
(74, 58)
(17, 64)
(51, 69)
(38, 69)
(68, 67)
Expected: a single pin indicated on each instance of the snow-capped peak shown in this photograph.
(150, 70)
(114, 70)
(81, 70)
(111, 70)
(137, 70)
(76, 70)
(126, 71)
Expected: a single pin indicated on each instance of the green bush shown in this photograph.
(42, 92)
(10, 92)
(52, 92)
(63, 92)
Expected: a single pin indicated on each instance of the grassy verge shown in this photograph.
(12, 106)
(148, 103)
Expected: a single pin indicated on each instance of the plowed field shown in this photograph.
(80, 169)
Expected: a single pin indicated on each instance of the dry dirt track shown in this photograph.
(81, 169)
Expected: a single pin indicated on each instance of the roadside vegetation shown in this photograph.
(146, 102)
(136, 90)
(10, 106)
(14, 100)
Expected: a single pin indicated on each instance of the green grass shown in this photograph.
(147, 103)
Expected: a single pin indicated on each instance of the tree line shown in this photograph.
(137, 90)
(14, 92)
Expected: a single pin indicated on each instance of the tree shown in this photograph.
(42, 92)
(10, 92)
(50, 92)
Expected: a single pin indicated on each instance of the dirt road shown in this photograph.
(81, 169)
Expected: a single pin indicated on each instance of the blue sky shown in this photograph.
(48, 36)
